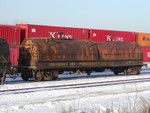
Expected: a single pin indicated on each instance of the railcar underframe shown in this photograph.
(50, 70)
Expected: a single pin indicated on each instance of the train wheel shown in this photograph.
(55, 75)
(25, 75)
(37, 76)
(127, 71)
(136, 70)
(48, 76)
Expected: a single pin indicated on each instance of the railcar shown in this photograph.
(5, 64)
(45, 58)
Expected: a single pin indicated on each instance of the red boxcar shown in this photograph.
(111, 36)
(146, 54)
(12, 36)
(29, 31)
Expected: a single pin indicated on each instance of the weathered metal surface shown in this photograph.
(72, 55)
(50, 57)
(58, 50)
(119, 51)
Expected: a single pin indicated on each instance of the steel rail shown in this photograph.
(72, 86)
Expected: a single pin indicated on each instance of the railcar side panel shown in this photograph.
(53, 32)
(146, 54)
(143, 39)
(11, 34)
(119, 51)
(111, 36)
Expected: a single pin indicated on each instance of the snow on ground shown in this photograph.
(116, 98)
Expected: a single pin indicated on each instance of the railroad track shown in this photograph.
(72, 86)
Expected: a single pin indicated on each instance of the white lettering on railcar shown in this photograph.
(113, 38)
(59, 35)
(33, 30)
(108, 37)
(148, 54)
(52, 34)
(94, 34)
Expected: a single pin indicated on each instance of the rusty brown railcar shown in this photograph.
(120, 57)
(45, 58)
(5, 65)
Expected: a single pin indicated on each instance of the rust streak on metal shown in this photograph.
(59, 50)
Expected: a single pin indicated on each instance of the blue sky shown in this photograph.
(123, 15)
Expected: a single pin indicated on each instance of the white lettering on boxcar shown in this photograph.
(33, 30)
(58, 35)
(52, 34)
(148, 54)
(94, 34)
(113, 38)
(108, 37)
